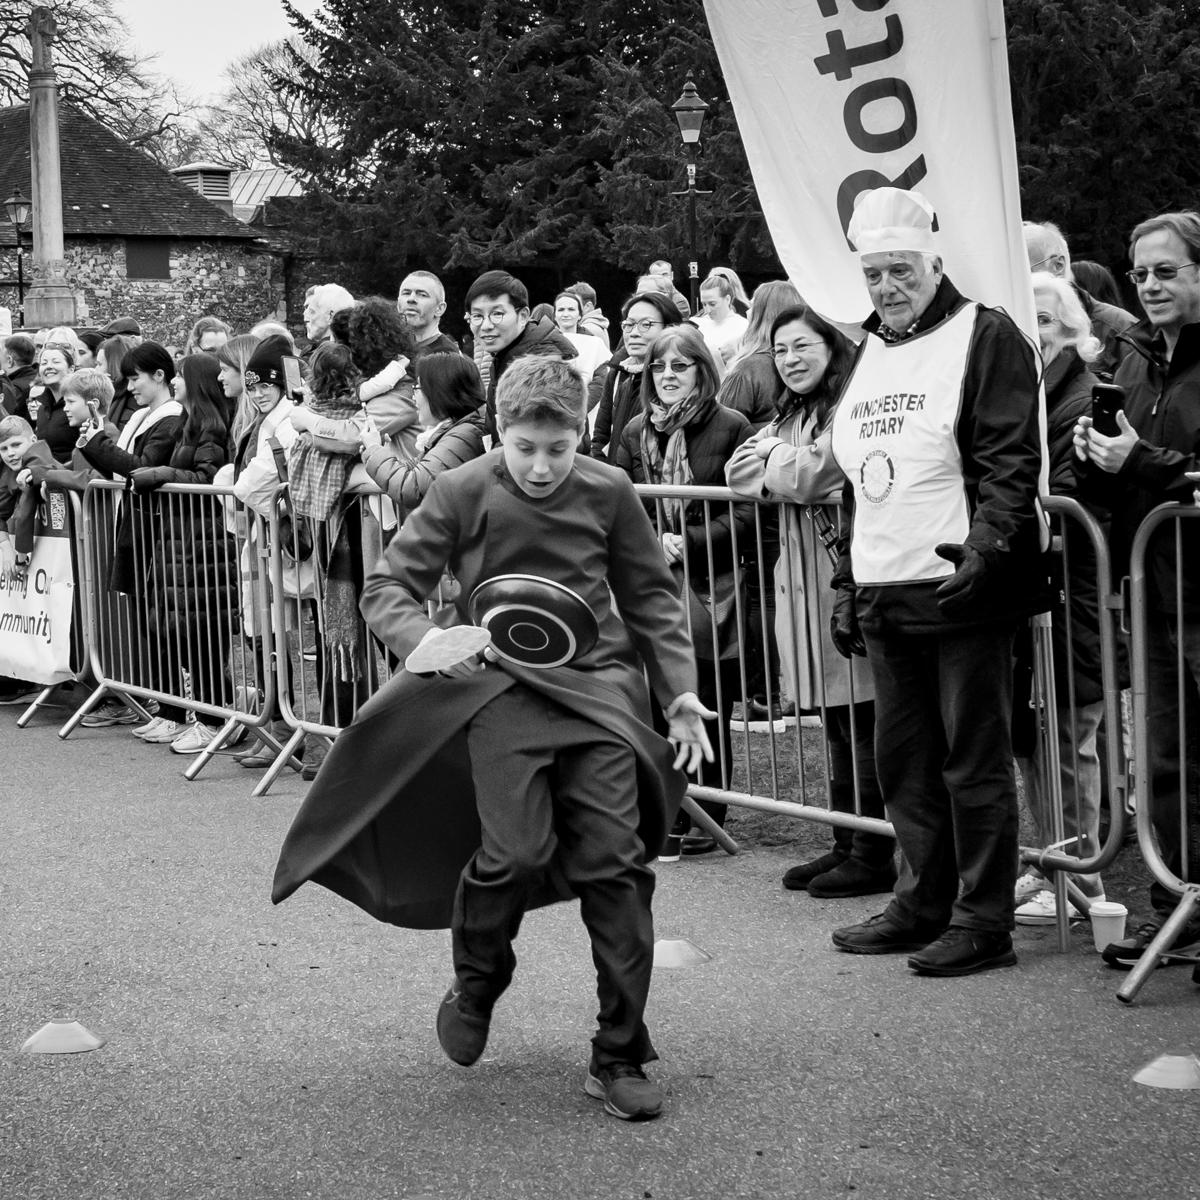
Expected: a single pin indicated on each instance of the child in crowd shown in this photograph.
(86, 397)
(465, 798)
(17, 502)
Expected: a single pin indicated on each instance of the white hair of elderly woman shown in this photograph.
(1058, 298)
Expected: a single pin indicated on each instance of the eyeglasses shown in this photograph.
(497, 316)
(799, 347)
(59, 346)
(1045, 320)
(1163, 272)
(641, 326)
(678, 366)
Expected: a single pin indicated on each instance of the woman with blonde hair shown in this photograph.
(233, 358)
(721, 324)
(1068, 350)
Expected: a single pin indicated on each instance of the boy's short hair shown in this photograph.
(22, 349)
(495, 285)
(12, 427)
(584, 291)
(542, 391)
(93, 386)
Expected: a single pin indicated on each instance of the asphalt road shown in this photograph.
(260, 1053)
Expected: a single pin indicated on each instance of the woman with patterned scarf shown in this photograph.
(683, 436)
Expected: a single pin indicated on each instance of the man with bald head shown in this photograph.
(422, 303)
(937, 433)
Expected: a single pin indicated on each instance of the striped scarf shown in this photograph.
(672, 466)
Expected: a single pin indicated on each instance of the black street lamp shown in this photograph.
(689, 111)
(18, 209)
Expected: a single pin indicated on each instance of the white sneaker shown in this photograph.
(154, 725)
(1042, 910)
(193, 739)
(167, 731)
(1028, 886)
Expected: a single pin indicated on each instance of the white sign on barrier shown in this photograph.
(36, 602)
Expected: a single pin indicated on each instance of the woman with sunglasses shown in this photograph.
(684, 436)
(643, 317)
(791, 459)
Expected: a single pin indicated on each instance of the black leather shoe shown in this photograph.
(462, 1029)
(879, 935)
(853, 878)
(964, 951)
(798, 878)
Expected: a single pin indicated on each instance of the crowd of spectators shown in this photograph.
(376, 399)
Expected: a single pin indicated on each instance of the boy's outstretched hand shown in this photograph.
(686, 732)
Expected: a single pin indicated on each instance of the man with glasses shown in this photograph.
(937, 433)
(1048, 251)
(1145, 465)
(498, 312)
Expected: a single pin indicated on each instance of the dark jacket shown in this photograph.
(1162, 403)
(1000, 446)
(711, 441)
(407, 481)
(14, 391)
(540, 339)
(620, 402)
(753, 387)
(49, 418)
(18, 506)
(124, 405)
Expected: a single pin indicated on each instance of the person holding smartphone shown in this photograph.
(1150, 462)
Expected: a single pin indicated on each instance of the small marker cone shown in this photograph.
(1180, 1071)
(678, 952)
(62, 1036)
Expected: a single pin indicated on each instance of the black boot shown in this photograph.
(798, 878)
(853, 878)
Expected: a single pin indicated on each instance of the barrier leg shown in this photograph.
(705, 822)
(276, 768)
(1062, 918)
(82, 711)
(206, 755)
(1166, 935)
(27, 715)
(1077, 898)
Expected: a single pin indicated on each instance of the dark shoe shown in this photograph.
(964, 951)
(1124, 954)
(879, 935)
(461, 1028)
(798, 878)
(309, 772)
(853, 878)
(625, 1090)
(697, 843)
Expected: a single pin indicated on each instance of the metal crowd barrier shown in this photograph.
(1159, 636)
(79, 659)
(1070, 520)
(176, 607)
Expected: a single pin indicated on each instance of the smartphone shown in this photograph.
(1107, 401)
(293, 379)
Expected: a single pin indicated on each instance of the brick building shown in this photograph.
(139, 241)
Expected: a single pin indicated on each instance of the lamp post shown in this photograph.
(18, 209)
(689, 111)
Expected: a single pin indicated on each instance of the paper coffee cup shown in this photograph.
(1108, 922)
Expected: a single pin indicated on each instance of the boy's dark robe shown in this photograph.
(390, 821)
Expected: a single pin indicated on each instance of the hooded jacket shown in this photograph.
(539, 339)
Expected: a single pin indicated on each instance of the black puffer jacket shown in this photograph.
(1162, 403)
(49, 417)
(711, 440)
(620, 402)
(539, 339)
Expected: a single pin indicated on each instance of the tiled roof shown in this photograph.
(109, 188)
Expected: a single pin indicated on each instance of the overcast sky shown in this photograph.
(196, 39)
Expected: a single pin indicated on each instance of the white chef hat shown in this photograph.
(889, 218)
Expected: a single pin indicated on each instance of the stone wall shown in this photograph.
(221, 278)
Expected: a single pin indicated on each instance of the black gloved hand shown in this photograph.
(956, 596)
(843, 624)
(146, 479)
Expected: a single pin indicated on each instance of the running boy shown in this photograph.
(512, 787)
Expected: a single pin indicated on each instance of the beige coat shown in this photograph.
(800, 468)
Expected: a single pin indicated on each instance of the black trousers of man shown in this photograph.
(943, 754)
(550, 782)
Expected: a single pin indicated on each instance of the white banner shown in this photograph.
(835, 97)
(36, 600)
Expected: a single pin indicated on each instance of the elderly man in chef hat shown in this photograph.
(937, 433)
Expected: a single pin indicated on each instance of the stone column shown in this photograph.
(49, 300)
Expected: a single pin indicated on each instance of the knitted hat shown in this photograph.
(266, 363)
(125, 325)
(889, 219)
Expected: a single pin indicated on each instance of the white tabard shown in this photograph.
(894, 435)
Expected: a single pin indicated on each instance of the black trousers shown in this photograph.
(549, 782)
(845, 743)
(943, 753)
